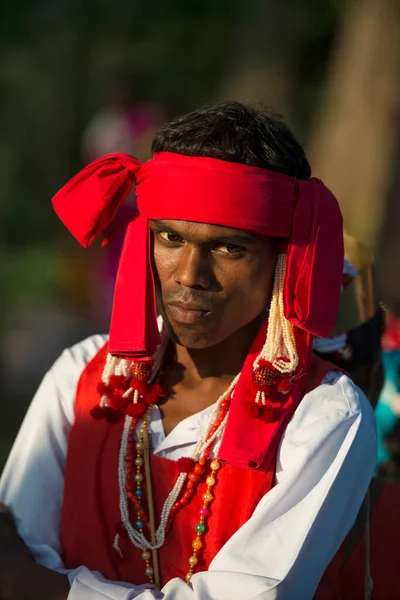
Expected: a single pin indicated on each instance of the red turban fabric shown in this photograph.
(173, 186)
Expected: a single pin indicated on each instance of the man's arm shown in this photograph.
(32, 482)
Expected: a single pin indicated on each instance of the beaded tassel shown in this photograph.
(125, 389)
(274, 367)
(280, 347)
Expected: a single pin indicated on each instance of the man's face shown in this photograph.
(211, 281)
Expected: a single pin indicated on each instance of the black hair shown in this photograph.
(238, 133)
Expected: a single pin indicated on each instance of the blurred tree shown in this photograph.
(389, 240)
(55, 57)
(278, 55)
(353, 146)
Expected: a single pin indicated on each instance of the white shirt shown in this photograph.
(324, 464)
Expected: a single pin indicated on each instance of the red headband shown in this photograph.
(173, 186)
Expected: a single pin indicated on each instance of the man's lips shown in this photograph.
(187, 313)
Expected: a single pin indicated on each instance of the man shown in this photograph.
(220, 461)
(365, 567)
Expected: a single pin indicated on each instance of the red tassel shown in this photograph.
(253, 409)
(284, 385)
(98, 412)
(268, 413)
(135, 410)
(113, 416)
(103, 389)
(149, 399)
(119, 382)
(265, 412)
(139, 386)
(118, 401)
(185, 464)
(158, 391)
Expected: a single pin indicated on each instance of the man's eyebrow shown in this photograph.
(234, 238)
(162, 225)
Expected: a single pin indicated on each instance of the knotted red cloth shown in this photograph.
(206, 190)
(173, 186)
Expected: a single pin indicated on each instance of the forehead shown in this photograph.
(202, 232)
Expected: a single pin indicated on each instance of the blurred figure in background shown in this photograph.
(358, 351)
(388, 409)
(127, 124)
(124, 123)
(365, 567)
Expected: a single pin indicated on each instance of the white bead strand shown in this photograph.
(280, 345)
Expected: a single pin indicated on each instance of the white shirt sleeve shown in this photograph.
(32, 483)
(324, 465)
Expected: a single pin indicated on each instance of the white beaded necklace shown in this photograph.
(137, 538)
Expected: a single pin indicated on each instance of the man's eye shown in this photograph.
(168, 236)
(230, 249)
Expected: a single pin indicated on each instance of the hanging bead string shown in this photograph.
(204, 514)
(111, 367)
(135, 496)
(280, 346)
(150, 503)
(207, 496)
(137, 538)
(198, 470)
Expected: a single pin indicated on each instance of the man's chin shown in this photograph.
(195, 344)
(193, 338)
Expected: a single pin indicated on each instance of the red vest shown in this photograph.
(91, 495)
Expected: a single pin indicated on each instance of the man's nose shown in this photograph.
(194, 269)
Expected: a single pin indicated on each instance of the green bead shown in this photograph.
(200, 528)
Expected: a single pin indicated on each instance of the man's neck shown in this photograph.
(220, 361)
(195, 379)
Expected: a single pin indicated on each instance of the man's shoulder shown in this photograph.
(75, 358)
(86, 349)
(338, 394)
